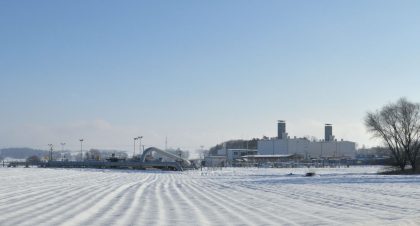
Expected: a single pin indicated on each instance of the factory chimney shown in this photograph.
(281, 129)
(328, 132)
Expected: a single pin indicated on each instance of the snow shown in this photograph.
(229, 196)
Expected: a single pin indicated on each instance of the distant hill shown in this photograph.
(21, 153)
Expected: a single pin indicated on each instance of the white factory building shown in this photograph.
(327, 148)
(226, 156)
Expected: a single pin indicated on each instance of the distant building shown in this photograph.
(233, 154)
(214, 161)
(226, 156)
(275, 160)
(328, 148)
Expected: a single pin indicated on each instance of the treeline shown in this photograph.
(21, 153)
(24, 153)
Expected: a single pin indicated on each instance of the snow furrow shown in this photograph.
(133, 213)
(228, 196)
(197, 208)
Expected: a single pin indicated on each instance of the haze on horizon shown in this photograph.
(200, 72)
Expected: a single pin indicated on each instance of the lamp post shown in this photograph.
(81, 148)
(202, 152)
(140, 137)
(51, 149)
(62, 150)
(134, 150)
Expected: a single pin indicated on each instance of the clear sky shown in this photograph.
(200, 72)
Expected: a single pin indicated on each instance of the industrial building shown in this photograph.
(269, 160)
(226, 156)
(329, 147)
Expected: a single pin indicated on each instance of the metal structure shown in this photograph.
(81, 148)
(184, 162)
(51, 150)
(179, 163)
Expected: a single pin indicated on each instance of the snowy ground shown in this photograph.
(234, 196)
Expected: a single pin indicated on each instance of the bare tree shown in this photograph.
(398, 125)
(93, 154)
(33, 159)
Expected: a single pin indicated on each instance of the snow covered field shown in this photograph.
(233, 196)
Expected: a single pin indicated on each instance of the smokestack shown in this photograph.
(328, 132)
(281, 129)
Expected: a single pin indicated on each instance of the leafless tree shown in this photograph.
(398, 125)
(33, 159)
(93, 154)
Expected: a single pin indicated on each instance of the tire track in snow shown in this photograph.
(73, 203)
(54, 204)
(323, 200)
(384, 202)
(115, 208)
(255, 215)
(245, 216)
(328, 200)
(289, 198)
(118, 212)
(211, 207)
(160, 208)
(172, 205)
(27, 196)
(149, 212)
(19, 195)
(218, 197)
(199, 215)
(41, 204)
(85, 214)
(129, 218)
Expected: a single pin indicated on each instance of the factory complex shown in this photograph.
(284, 151)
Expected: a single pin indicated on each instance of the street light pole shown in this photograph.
(140, 137)
(134, 150)
(81, 148)
(62, 150)
(51, 149)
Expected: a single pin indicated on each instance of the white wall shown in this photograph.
(272, 147)
(239, 152)
(215, 161)
(307, 148)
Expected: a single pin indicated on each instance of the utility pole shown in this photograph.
(81, 148)
(51, 149)
(134, 150)
(62, 150)
(166, 143)
(140, 137)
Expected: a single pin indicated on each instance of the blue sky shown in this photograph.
(200, 72)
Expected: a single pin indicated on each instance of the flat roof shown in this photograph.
(215, 156)
(242, 149)
(267, 156)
